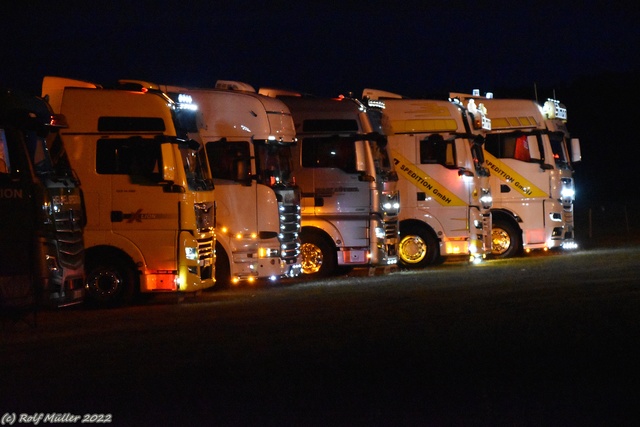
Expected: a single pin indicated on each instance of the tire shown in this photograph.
(317, 255)
(506, 239)
(418, 247)
(223, 269)
(110, 280)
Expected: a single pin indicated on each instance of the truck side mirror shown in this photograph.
(465, 173)
(242, 171)
(360, 160)
(576, 155)
(168, 163)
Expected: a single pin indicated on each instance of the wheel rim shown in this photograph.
(412, 249)
(501, 241)
(104, 283)
(311, 258)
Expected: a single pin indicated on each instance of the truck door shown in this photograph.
(18, 225)
(339, 188)
(448, 192)
(144, 209)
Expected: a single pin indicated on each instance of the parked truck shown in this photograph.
(527, 209)
(350, 200)
(41, 209)
(566, 152)
(436, 146)
(248, 139)
(149, 196)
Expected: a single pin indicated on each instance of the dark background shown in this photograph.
(583, 53)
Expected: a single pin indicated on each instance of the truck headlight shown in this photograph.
(486, 199)
(567, 193)
(191, 253)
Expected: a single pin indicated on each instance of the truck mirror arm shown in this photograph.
(170, 187)
(465, 172)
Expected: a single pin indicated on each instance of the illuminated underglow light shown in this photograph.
(476, 259)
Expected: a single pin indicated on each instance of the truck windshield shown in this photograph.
(559, 148)
(196, 168)
(478, 157)
(381, 159)
(58, 156)
(384, 167)
(39, 153)
(273, 163)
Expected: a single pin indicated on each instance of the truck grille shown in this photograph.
(205, 255)
(567, 216)
(391, 229)
(205, 216)
(68, 224)
(289, 232)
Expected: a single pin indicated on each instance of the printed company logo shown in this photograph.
(11, 193)
(508, 175)
(138, 216)
(67, 199)
(330, 191)
(424, 182)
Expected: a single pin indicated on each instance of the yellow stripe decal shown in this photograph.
(424, 182)
(512, 122)
(424, 125)
(508, 175)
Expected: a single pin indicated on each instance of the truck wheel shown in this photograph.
(318, 257)
(223, 269)
(417, 248)
(110, 281)
(506, 239)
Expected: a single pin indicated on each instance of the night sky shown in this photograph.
(587, 55)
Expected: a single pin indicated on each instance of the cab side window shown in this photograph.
(329, 152)
(5, 163)
(225, 157)
(435, 150)
(510, 146)
(13, 155)
(136, 157)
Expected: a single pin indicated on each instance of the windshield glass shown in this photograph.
(196, 168)
(273, 163)
(39, 152)
(381, 159)
(478, 157)
(559, 148)
(58, 155)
